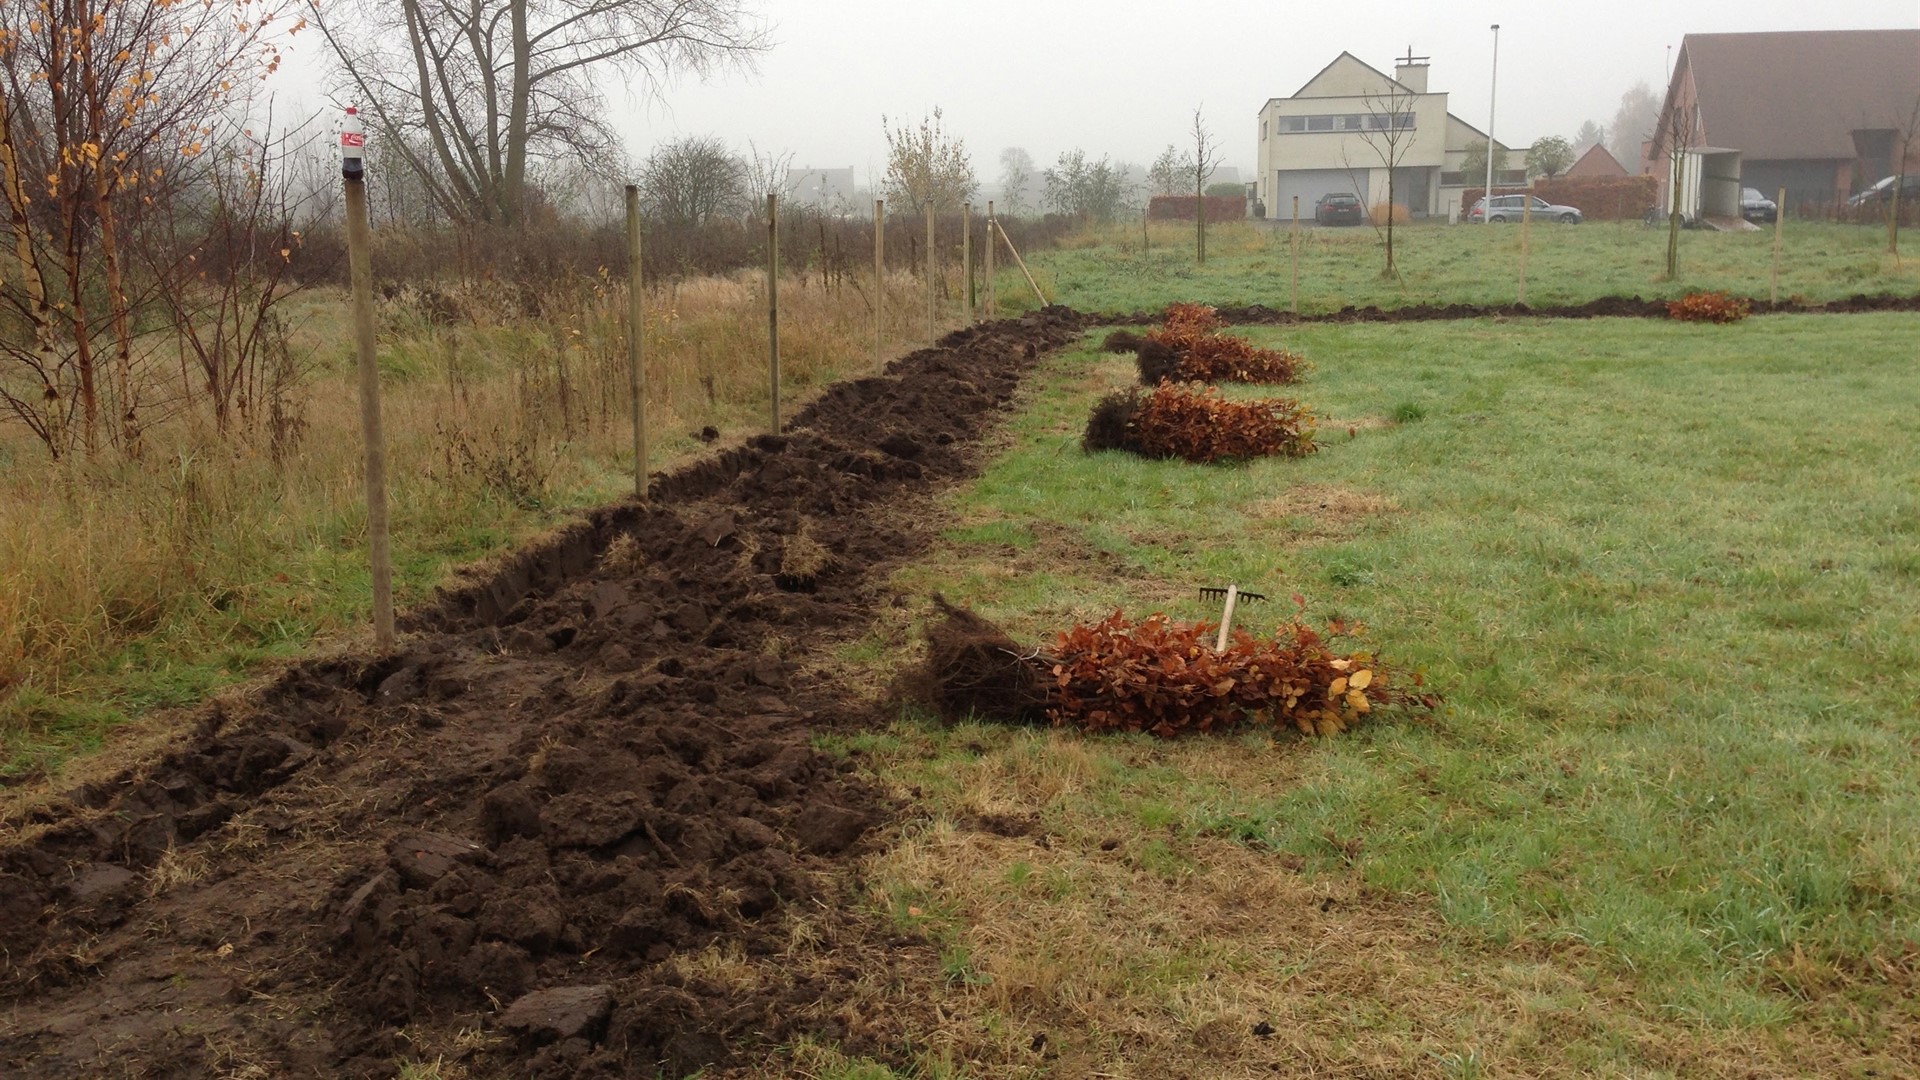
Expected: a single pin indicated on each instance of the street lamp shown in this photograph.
(1486, 197)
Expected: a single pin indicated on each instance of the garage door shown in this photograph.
(1309, 184)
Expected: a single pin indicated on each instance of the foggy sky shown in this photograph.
(1122, 77)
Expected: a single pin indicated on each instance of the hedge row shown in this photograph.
(1599, 198)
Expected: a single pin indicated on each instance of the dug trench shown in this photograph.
(492, 844)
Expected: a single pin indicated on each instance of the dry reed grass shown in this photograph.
(130, 583)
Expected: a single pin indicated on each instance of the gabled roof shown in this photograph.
(1392, 84)
(1597, 161)
(1801, 94)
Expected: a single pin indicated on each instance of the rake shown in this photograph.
(1233, 596)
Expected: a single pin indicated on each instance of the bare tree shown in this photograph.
(1388, 131)
(925, 165)
(693, 180)
(103, 105)
(475, 92)
(1168, 173)
(1906, 137)
(1016, 172)
(1674, 140)
(1206, 158)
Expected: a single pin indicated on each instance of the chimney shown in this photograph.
(1411, 71)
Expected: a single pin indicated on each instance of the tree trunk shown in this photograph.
(514, 187)
(1199, 218)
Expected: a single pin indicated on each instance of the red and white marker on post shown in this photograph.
(353, 146)
(353, 169)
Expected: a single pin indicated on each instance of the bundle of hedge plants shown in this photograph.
(1188, 346)
(1194, 423)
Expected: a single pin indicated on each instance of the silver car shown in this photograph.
(1512, 207)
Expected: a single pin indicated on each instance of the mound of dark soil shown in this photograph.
(578, 767)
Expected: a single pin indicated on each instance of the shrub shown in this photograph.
(1190, 331)
(1196, 424)
(1164, 678)
(1708, 307)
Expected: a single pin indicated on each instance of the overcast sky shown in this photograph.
(1122, 77)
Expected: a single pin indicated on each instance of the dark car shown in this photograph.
(1757, 207)
(1339, 208)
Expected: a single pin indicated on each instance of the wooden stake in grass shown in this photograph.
(636, 331)
(879, 279)
(360, 269)
(1779, 215)
(1022, 264)
(1526, 220)
(966, 255)
(773, 312)
(993, 293)
(930, 266)
(1296, 254)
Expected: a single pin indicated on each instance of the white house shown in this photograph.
(1333, 135)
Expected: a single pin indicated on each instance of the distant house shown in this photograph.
(1818, 112)
(1316, 142)
(826, 188)
(1596, 162)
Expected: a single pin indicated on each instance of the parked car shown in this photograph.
(1513, 207)
(1339, 208)
(1878, 194)
(1757, 207)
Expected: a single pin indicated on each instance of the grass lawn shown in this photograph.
(1666, 579)
(1441, 264)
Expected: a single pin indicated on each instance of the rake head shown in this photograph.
(1220, 593)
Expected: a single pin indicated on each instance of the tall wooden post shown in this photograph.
(636, 345)
(966, 255)
(1526, 221)
(930, 265)
(879, 280)
(993, 288)
(1296, 253)
(773, 312)
(1779, 215)
(360, 270)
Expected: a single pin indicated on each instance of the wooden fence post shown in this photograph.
(966, 255)
(1779, 215)
(773, 311)
(1296, 253)
(993, 290)
(879, 280)
(930, 266)
(636, 345)
(1022, 264)
(360, 271)
(1526, 220)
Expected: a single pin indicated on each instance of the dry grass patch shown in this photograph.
(1326, 511)
(1085, 927)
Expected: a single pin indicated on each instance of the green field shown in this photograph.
(1665, 578)
(1439, 264)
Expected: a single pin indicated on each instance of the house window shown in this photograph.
(1341, 122)
(1263, 129)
